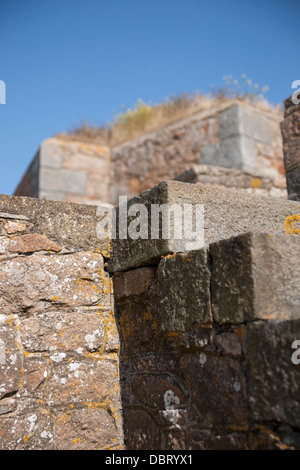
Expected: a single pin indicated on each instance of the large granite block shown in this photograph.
(226, 213)
(256, 276)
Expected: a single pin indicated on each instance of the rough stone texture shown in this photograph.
(226, 214)
(184, 281)
(290, 129)
(293, 184)
(221, 177)
(207, 385)
(273, 377)
(255, 276)
(71, 226)
(59, 344)
(30, 243)
(144, 162)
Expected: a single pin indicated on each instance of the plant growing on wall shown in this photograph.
(244, 88)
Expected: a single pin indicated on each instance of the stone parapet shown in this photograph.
(226, 213)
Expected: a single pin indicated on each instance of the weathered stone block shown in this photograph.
(63, 180)
(31, 430)
(273, 379)
(236, 151)
(32, 242)
(90, 428)
(226, 213)
(293, 184)
(72, 381)
(134, 282)
(229, 343)
(141, 432)
(82, 333)
(224, 177)
(50, 153)
(11, 359)
(184, 288)
(290, 130)
(247, 121)
(14, 227)
(217, 387)
(72, 226)
(43, 282)
(255, 276)
(157, 392)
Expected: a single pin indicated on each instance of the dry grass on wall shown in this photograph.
(144, 117)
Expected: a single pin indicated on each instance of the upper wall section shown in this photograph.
(233, 136)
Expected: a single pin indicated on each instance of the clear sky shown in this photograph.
(67, 60)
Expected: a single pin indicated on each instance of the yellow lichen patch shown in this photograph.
(292, 224)
(75, 441)
(13, 321)
(170, 255)
(25, 438)
(106, 251)
(93, 148)
(27, 354)
(173, 334)
(107, 284)
(97, 405)
(256, 182)
(63, 418)
(55, 298)
(21, 381)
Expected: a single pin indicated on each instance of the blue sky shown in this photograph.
(68, 60)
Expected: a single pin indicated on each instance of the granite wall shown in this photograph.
(210, 338)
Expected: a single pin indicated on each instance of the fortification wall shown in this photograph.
(59, 345)
(232, 136)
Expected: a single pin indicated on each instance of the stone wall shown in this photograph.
(233, 136)
(206, 347)
(221, 177)
(59, 345)
(207, 335)
(206, 339)
(290, 128)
